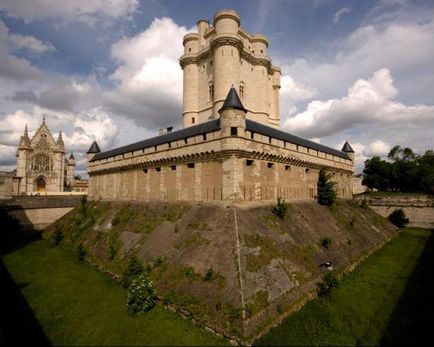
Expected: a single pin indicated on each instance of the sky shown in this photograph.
(361, 71)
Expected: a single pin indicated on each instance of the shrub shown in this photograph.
(57, 236)
(280, 208)
(141, 296)
(81, 252)
(209, 276)
(83, 205)
(329, 282)
(326, 190)
(112, 252)
(364, 203)
(398, 218)
(133, 270)
(326, 242)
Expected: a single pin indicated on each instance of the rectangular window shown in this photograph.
(158, 169)
(287, 167)
(185, 140)
(193, 120)
(249, 162)
(234, 131)
(252, 135)
(270, 165)
(190, 165)
(145, 170)
(173, 167)
(269, 140)
(204, 137)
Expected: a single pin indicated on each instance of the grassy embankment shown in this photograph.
(78, 305)
(386, 300)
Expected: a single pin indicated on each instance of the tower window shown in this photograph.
(211, 92)
(185, 140)
(173, 167)
(262, 51)
(249, 162)
(270, 165)
(190, 165)
(242, 91)
(193, 120)
(287, 167)
(234, 131)
(269, 139)
(158, 169)
(204, 137)
(189, 49)
(252, 135)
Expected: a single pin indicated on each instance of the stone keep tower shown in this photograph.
(70, 164)
(224, 55)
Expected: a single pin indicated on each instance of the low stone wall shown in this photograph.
(418, 209)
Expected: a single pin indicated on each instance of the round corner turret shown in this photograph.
(226, 22)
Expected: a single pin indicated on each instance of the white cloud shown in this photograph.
(340, 13)
(31, 43)
(85, 11)
(368, 102)
(406, 49)
(12, 67)
(149, 77)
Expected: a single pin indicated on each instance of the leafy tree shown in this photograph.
(326, 189)
(77, 177)
(403, 171)
(141, 295)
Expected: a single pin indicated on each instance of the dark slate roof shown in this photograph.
(214, 125)
(71, 156)
(232, 101)
(94, 148)
(284, 136)
(347, 148)
(201, 128)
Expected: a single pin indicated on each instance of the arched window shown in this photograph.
(211, 92)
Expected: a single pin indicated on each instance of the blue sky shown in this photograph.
(356, 70)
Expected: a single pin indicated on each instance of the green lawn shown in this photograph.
(77, 305)
(386, 300)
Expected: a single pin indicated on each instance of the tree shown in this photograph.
(77, 177)
(326, 189)
(398, 218)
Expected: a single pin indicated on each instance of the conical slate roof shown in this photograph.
(72, 156)
(347, 148)
(94, 148)
(232, 101)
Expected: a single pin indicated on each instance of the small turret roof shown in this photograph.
(94, 148)
(71, 156)
(347, 148)
(232, 101)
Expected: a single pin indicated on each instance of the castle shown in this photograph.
(41, 163)
(230, 147)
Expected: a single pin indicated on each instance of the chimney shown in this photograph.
(169, 129)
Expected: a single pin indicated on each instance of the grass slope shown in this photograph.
(77, 305)
(359, 311)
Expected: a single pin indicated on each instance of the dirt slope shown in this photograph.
(192, 253)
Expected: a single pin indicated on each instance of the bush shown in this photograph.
(141, 295)
(57, 236)
(112, 252)
(81, 252)
(280, 208)
(326, 242)
(329, 282)
(326, 190)
(209, 276)
(133, 270)
(364, 203)
(398, 218)
(83, 205)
